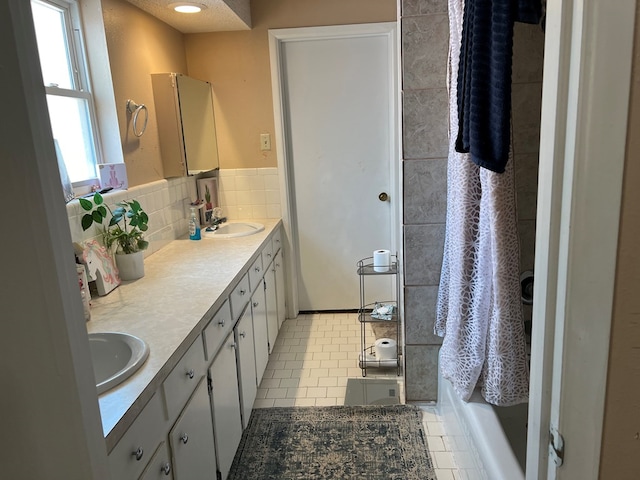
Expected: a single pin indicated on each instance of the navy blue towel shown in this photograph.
(484, 78)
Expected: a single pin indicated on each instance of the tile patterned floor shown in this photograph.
(312, 360)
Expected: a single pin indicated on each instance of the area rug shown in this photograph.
(342, 442)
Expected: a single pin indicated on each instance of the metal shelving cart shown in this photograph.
(387, 312)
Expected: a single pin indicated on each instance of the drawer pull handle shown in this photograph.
(190, 373)
(166, 468)
(221, 322)
(277, 265)
(243, 334)
(184, 438)
(138, 454)
(257, 269)
(269, 255)
(242, 292)
(255, 304)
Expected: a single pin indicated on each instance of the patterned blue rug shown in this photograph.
(345, 442)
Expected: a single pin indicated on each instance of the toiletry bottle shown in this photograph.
(194, 226)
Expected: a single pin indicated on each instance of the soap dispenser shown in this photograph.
(194, 226)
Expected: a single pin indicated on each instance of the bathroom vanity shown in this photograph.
(210, 323)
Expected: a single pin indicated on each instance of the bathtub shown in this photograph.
(488, 442)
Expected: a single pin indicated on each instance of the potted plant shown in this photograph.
(124, 235)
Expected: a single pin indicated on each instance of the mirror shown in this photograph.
(186, 124)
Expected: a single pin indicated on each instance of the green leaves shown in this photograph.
(128, 240)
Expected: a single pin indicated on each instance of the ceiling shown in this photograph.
(219, 16)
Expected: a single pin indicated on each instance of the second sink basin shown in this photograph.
(115, 356)
(234, 229)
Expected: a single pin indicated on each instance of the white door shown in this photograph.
(588, 57)
(337, 94)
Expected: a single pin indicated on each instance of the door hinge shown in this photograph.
(210, 386)
(556, 446)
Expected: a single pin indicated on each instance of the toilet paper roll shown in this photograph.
(381, 260)
(386, 349)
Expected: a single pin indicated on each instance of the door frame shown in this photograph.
(277, 38)
(582, 156)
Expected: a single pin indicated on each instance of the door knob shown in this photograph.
(383, 197)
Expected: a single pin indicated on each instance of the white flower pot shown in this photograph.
(131, 265)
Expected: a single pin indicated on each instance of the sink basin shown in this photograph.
(233, 229)
(115, 356)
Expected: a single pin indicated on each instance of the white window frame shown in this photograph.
(81, 80)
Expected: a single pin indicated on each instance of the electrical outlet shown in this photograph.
(265, 141)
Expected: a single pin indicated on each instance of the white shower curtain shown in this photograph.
(479, 311)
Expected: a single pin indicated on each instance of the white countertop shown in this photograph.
(184, 284)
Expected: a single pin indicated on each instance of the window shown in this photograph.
(71, 107)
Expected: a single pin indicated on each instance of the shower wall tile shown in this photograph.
(526, 185)
(425, 123)
(425, 191)
(528, 53)
(423, 247)
(420, 314)
(425, 43)
(422, 7)
(527, 231)
(421, 375)
(527, 106)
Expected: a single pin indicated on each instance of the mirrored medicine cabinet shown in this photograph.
(186, 124)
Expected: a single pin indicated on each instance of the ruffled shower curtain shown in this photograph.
(479, 310)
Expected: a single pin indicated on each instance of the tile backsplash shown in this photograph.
(246, 193)
(249, 193)
(165, 201)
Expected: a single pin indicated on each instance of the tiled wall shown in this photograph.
(165, 201)
(425, 37)
(249, 193)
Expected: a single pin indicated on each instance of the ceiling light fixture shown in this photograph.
(184, 7)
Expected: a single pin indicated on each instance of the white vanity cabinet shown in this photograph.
(193, 423)
(191, 439)
(260, 333)
(225, 404)
(246, 362)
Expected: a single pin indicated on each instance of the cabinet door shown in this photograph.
(191, 439)
(272, 306)
(246, 357)
(260, 333)
(159, 467)
(280, 288)
(225, 398)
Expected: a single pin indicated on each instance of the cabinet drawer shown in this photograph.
(134, 450)
(267, 254)
(217, 329)
(255, 273)
(239, 297)
(183, 379)
(159, 468)
(276, 241)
